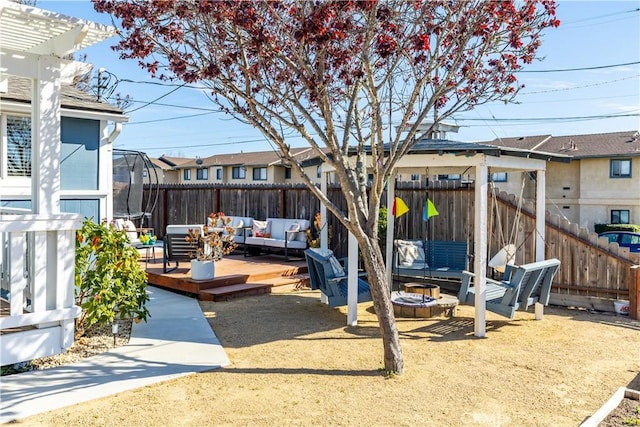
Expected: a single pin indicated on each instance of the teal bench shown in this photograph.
(430, 258)
(526, 285)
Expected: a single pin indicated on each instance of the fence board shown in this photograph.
(591, 267)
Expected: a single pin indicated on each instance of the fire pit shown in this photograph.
(422, 300)
(406, 304)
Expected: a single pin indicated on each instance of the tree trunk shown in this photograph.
(380, 291)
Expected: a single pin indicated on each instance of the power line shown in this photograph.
(562, 70)
(592, 18)
(216, 144)
(580, 87)
(170, 118)
(554, 119)
(157, 99)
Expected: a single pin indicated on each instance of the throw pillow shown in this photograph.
(410, 253)
(261, 229)
(238, 228)
(291, 235)
(338, 271)
(130, 227)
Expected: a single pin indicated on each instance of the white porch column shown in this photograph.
(324, 228)
(45, 137)
(391, 189)
(480, 249)
(540, 214)
(352, 293)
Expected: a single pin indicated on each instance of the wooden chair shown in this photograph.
(523, 286)
(327, 274)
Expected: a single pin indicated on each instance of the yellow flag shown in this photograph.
(399, 207)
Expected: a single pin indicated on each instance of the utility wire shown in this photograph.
(170, 118)
(592, 18)
(157, 99)
(580, 87)
(548, 119)
(562, 70)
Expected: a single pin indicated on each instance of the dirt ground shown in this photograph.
(294, 362)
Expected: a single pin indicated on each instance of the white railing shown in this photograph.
(37, 281)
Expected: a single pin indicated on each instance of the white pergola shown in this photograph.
(33, 43)
(443, 154)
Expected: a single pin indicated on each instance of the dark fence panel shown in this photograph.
(591, 269)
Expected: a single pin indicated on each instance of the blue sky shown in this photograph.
(592, 34)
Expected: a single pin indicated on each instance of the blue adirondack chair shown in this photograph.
(327, 274)
(524, 286)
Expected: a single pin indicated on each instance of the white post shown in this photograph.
(480, 249)
(391, 189)
(352, 293)
(324, 232)
(540, 228)
(540, 215)
(45, 137)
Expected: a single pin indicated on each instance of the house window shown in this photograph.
(498, 177)
(238, 172)
(202, 174)
(619, 216)
(186, 175)
(620, 168)
(287, 173)
(18, 146)
(449, 177)
(415, 177)
(219, 174)
(259, 174)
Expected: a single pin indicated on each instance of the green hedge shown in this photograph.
(601, 228)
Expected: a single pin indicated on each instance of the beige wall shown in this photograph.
(563, 190)
(172, 177)
(601, 194)
(582, 191)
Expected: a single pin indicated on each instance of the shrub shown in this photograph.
(110, 284)
(601, 228)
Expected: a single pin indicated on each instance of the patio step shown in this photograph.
(298, 281)
(225, 293)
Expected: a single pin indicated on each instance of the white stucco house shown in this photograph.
(55, 170)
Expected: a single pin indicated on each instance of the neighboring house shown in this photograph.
(259, 167)
(601, 184)
(163, 171)
(55, 156)
(171, 175)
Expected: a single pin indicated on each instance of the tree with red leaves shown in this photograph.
(347, 76)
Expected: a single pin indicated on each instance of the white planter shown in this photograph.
(202, 270)
(621, 307)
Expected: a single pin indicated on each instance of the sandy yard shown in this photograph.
(294, 362)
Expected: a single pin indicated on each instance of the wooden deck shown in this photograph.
(235, 275)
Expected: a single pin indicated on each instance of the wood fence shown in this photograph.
(593, 272)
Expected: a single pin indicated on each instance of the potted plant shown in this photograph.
(210, 246)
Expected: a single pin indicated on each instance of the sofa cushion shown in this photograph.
(252, 240)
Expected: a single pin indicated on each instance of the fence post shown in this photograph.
(634, 293)
(281, 201)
